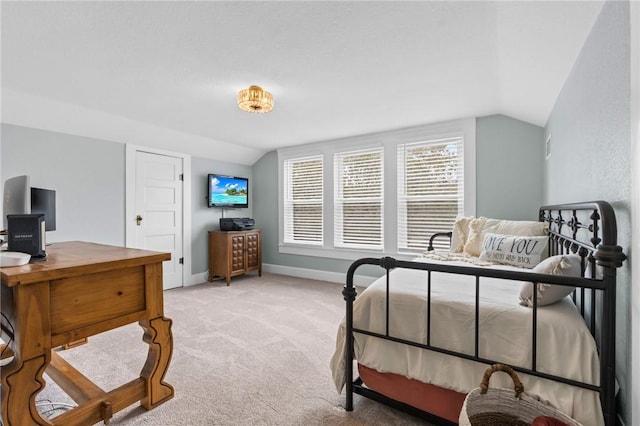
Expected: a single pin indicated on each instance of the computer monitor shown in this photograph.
(44, 201)
(20, 198)
(16, 197)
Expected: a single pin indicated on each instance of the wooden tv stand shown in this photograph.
(82, 289)
(233, 253)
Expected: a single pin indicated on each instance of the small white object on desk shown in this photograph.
(13, 258)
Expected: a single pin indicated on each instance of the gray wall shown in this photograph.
(204, 219)
(265, 211)
(87, 175)
(591, 151)
(508, 185)
(265, 172)
(509, 156)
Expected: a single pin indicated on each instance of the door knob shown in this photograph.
(138, 220)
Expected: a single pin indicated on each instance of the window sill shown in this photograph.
(342, 254)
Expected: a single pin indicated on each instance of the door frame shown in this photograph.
(130, 202)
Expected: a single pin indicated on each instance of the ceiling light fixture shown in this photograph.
(254, 99)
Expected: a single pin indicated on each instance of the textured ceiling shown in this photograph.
(166, 74)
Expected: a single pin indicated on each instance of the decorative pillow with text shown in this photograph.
(522, 251)
(482, 226)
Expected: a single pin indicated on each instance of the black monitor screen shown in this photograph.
(44, 201)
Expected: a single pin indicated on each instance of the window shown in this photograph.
(381, 194)
(358, 199)
(430, 190)
(303, 200)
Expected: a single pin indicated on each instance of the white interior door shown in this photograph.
(158, 210)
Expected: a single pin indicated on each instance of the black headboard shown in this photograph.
(588, 229)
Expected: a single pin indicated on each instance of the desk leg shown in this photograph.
(21, 382)
(29, 311)
(157, 334)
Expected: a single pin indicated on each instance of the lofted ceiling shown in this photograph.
(166, 74)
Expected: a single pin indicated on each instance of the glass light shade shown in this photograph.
(254, 99)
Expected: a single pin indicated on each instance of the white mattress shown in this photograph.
(565, 346)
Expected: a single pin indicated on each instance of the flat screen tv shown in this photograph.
(228, 191)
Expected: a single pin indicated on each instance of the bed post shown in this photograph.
(610, 258)
(609, 255)
(349, 293)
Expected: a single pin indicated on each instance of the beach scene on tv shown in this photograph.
(228, 190)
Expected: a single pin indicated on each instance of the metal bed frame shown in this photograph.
(587, 229)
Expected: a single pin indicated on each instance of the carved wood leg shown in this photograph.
(28, 311)
(21, 382)
(157, 334)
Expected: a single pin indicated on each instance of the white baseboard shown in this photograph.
(197, 279)
(314, 274)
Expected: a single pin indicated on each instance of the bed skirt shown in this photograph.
(445, 403)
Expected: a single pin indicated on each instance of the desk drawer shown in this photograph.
(87, 301)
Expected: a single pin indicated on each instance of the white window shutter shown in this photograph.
(303, 200)
(430, 191)
(359, 199)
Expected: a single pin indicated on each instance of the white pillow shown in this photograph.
(523, 251)
(567, 265)
(481, 226)
(459, 234)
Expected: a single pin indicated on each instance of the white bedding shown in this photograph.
(565, 346)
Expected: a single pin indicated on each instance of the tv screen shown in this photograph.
(228, 191)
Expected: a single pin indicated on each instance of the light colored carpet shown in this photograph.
(254, 353)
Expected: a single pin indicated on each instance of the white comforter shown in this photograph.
(565, 346)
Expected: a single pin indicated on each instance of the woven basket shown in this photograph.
(501, 407)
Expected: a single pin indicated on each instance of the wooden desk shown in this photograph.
(82, 289)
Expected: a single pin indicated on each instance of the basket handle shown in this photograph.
(517, 384)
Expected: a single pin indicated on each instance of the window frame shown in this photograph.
(288, 188)
(436, 197)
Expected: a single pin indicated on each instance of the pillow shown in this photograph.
(481, 226)
(567, 265)
(516, 250)
(459, 234)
